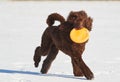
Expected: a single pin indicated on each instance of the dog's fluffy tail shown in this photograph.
(54, 17)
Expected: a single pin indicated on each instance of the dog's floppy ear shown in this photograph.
(88, 23)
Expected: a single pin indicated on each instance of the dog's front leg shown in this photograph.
(76, 70)
(84, 68)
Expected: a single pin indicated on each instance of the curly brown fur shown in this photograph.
(54, 16)
(57, 38)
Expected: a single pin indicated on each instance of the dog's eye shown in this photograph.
(74, 17)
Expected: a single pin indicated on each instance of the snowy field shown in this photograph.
(21, 27)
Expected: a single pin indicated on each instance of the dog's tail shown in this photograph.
(54, 17)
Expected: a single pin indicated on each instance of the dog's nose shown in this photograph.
(78, 27)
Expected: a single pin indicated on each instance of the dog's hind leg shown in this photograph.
(43, 49)
(37, 56)
(48, 61)
(40, 51)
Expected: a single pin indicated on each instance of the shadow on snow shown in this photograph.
(39, 74)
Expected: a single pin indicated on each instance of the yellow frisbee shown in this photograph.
(79, 35)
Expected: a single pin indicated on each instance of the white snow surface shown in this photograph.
(21, 28)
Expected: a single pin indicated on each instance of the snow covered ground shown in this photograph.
(21, 27)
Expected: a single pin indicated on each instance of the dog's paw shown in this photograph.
(90, 76)
(36, 64)
(36, 61)
(78, 74)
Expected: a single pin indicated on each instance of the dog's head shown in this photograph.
(80, 19)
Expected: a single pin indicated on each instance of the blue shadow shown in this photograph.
(39, 74)
(20, 72)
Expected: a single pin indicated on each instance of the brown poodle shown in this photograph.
(57, 38)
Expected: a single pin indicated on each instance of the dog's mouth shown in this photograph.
(79, 26)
